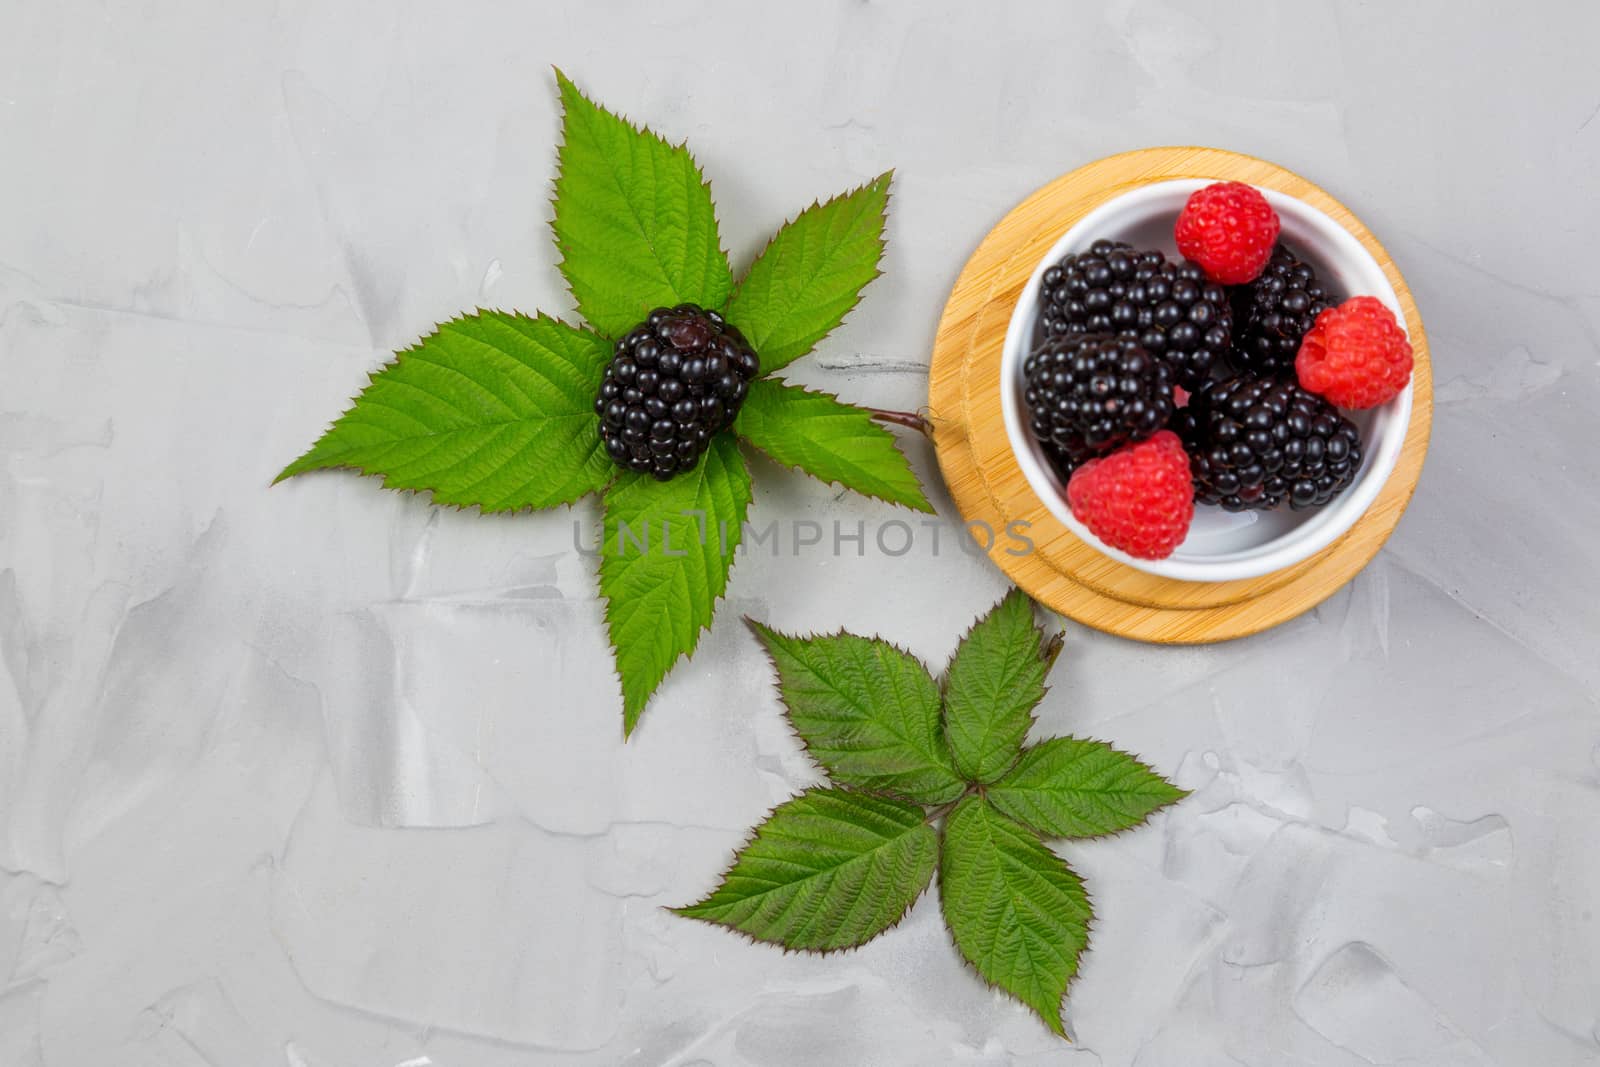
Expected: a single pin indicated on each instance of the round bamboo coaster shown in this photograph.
(978, 465)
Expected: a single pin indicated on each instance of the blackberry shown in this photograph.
(1272, 314)
(1254, 442)
(1090, 393)
(674, 380)
(1169, 308)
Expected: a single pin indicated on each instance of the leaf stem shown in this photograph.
(915, 420)
(943, 809)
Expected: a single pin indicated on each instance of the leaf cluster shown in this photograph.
(496, 410)
(931, 775)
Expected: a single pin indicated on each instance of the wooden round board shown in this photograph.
(978, 465)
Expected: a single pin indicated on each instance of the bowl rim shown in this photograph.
(1312, 536)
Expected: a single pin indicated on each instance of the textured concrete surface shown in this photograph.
(323, 777)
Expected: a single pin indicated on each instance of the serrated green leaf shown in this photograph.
(664, 564)
(829, 440)
(633, 219)
(811, 274)
(1071, 787)
(828, 870)
(492, 409)
(1016, 910)
(995, 680)
(867, 712)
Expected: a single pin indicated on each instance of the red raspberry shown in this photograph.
(1355, 355)
(1139, 498)
(1230, 230)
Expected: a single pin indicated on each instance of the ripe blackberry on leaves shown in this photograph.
(1255, 442)
(675, 380)
(1272, 314)
(1087, 394)
(1171, 309)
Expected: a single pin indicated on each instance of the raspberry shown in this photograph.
(1138, 499)
(1273, 313)
(1356, 354)
(1089, 393)
(1170, 309)
(1254, 442)
(674, 380)
(1229, 229)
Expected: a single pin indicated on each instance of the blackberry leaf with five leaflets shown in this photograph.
(1072, 787)
(834, 867)
(633, 219)
(829, 440)
(809, 277)
(1017, 912)
(829, 869)
(503, 412)
(994, 681)
(867, 711)
(664, 564)
(492, 409)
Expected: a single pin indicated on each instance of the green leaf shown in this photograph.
(867, 712)
(829, 440)
(811, 274)
(1017, 911)
(994, 682)
(634, 220)
(1069, 787)
(664, 563)
(492, 409)
(829, 869)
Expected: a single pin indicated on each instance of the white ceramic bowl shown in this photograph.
(1221, 546)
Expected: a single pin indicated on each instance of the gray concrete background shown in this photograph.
(323, 777)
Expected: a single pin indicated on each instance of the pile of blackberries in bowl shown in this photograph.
(1207, 381)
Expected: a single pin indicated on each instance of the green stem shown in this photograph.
(944, 809)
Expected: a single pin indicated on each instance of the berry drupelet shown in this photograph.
(1273, 313)
(1087, 394)
(1255, 442)
(1171, 309)
(675, 380)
